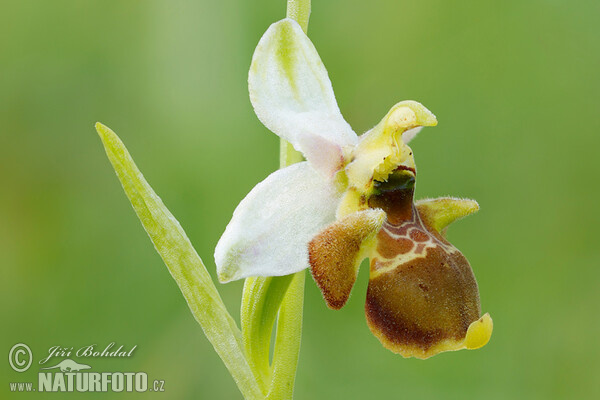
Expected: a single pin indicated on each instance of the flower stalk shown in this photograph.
(298, 10)
(266, 298)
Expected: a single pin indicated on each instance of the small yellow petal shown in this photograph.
(441, 212)
(479, 332)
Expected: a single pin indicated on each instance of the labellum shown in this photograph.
(422, 297)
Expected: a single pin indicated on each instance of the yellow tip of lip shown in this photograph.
(407, 114)
(479, 332)
(401, 118)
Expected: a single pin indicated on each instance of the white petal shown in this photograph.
(292, 95)
(270, 229)
(324, 156)
(410, 134)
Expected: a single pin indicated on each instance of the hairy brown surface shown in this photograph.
(419, 235)
(388, 247)
(396, 204)
(423, 301)
(334, 255)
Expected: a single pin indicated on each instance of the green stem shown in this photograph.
(299, 11)
(283, 296)
(289, 323)
(288, 155)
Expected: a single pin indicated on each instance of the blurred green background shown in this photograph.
(514, 85)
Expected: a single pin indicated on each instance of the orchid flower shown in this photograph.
(351, 199)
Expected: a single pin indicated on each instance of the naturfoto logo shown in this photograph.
(67, 365)
(68, 375)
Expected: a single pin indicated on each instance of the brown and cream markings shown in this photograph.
(422, 297)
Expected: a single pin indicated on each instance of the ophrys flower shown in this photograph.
(351, 199)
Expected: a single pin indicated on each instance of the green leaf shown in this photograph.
(287, 340)
(261, 300)
(183, 263)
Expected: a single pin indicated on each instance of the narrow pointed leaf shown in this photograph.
(287, 340)
(183, 263)
(260, 304)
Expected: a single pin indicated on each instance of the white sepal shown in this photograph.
(293, 97)
(270, 229)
